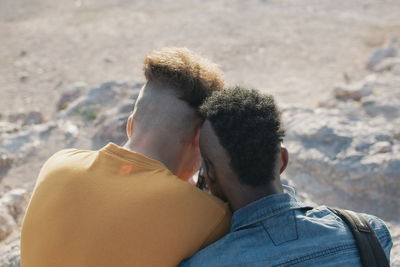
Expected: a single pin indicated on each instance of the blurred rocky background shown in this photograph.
(70, 73)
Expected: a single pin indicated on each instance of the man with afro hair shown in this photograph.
(243, 158)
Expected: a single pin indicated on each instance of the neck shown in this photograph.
(167, 152)
(248, 194)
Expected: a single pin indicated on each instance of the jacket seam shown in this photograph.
(312, 256)
(263, 217)
(316, 255)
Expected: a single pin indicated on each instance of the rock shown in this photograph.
(16, 117)
(353, 91)
(328, 103)
(112, 130)
(7, 223)
(374, 96)
(105, 108)
(8, 127)
(23, 77)
(380, 147)
(382, 105)
(23, 144)
(354, 158)
(72, 93)
(385, 100)
(394, 229)
(389, 50)
(100, 112)
(20, 142)
(15, 201)
(6, 162)
(111, 126)
(22, 118)
(89, 106)
(12, 205)
(396, 69)
(387, 64)
(108, 60)
(23, 53)
(126, 108)
(70, 129)
(33, 117)
(10, 254)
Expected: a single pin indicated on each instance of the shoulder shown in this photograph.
(379, 226)
(208, 216)
(65, 154)
(381, 231)
(195, 196)
(212, 207)
(64, 161)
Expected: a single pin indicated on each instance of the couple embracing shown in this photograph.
(137, 205)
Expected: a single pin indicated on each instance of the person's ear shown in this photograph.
(197, 130)
(129, 126)
(196, 139)
(284, 159)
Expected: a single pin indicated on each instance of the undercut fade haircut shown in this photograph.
(193, 77)
(248, 126)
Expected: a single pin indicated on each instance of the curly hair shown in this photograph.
(248, 126)
(193, 76)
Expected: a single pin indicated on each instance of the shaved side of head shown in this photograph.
(159, 111)
(178, 82)
(165, 123)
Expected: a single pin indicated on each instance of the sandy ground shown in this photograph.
(296, 50)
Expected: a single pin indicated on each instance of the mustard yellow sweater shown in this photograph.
(114, 207)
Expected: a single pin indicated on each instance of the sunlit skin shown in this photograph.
(222, 180)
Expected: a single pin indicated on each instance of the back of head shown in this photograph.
(248, 126)
(178, 82)
(191, 76)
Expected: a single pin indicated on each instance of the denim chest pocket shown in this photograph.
(281, 228)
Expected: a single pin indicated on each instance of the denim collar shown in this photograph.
(265, 208)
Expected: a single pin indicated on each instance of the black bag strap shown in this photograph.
(369, 247)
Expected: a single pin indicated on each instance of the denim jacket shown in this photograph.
(278, 230)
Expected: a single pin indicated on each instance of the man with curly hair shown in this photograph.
(132, 205)
(241, 146)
